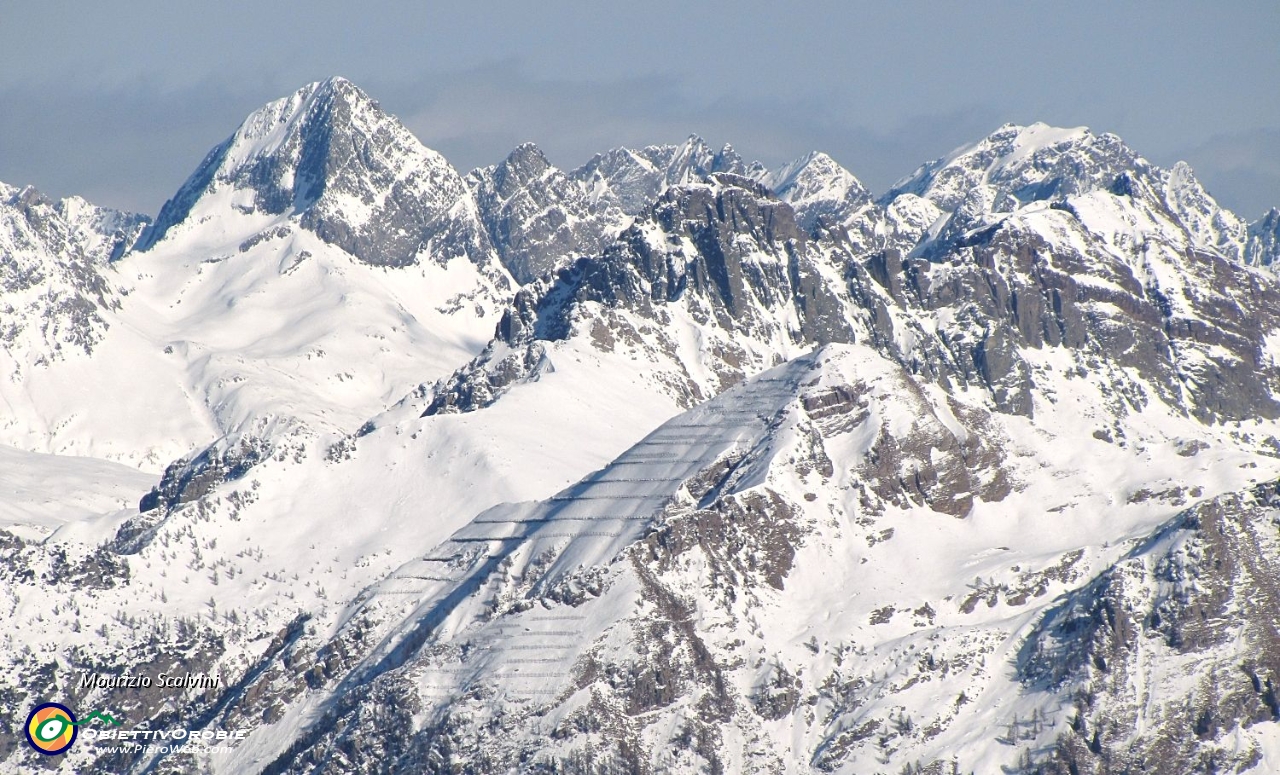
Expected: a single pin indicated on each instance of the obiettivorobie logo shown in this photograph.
(52, 728)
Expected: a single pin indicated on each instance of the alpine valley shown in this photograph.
(671, 463)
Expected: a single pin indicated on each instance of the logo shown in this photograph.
(52, 728)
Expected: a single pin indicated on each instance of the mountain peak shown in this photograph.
(818, 187)
(537, 218)
(271, 128)
(524, 164)
(1264, 239)
(630, 179)
(335, 82)
(527, 148)
(54, 291)
(27, 196)
(1022, 470)
(980, 184)
(1037, 133)
(1017, 164)
(330, 158)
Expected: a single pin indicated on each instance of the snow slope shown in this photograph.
(741, 576)
(278, 290)
(538, 218)
(753, 474)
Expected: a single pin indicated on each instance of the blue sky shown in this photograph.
(119, 102)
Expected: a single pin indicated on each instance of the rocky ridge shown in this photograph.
(329, 157)
(976, 476)
(538, 218)
(54, 259)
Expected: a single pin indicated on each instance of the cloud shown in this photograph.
(474, 118)
(132, 146)
(128, 147)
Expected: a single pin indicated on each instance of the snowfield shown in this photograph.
(668, 464)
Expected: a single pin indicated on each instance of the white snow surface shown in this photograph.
(891, 589)
(490, 556)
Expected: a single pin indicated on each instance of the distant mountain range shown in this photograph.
(672, 463)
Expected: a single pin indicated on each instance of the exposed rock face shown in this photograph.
(1115, 314)
(331, 158)
(635, 678)
(1209, 226)
(997, 287)
(689, 673)
(537, 218)
(54, 259)
(267, 275)
(818, 188)
(103, 234)
(1264, 239)
(1200, 593)
(631, 180)
(188, 480)
(1109, 269)
(724, 256)
(722, 232)
(1016, 165)
(965, 478)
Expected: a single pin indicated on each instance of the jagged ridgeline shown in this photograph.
(670, 463)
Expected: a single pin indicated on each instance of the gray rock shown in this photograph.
(1264, 239)
(1202, 586)
(537, 218)
(632, 180)
(332, 159)
(54, 271)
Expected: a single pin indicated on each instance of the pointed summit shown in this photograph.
(631, 180)
(1207, 224)
(524, 165)
(329, 158)
(1018, 164)
(693, 160)
(817, 187)
(536, 217)
(1264, 239)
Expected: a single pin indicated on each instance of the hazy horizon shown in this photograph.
(120, 108)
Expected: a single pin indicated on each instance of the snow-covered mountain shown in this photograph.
(538, 218)
(1264, 239)
(631, 179)
(55, 255)
(817, 187)
(1015, 165)
(979, 184)
(330, 159)
(756, 587)
(712, 282)
(317, 266)
(670, 463)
